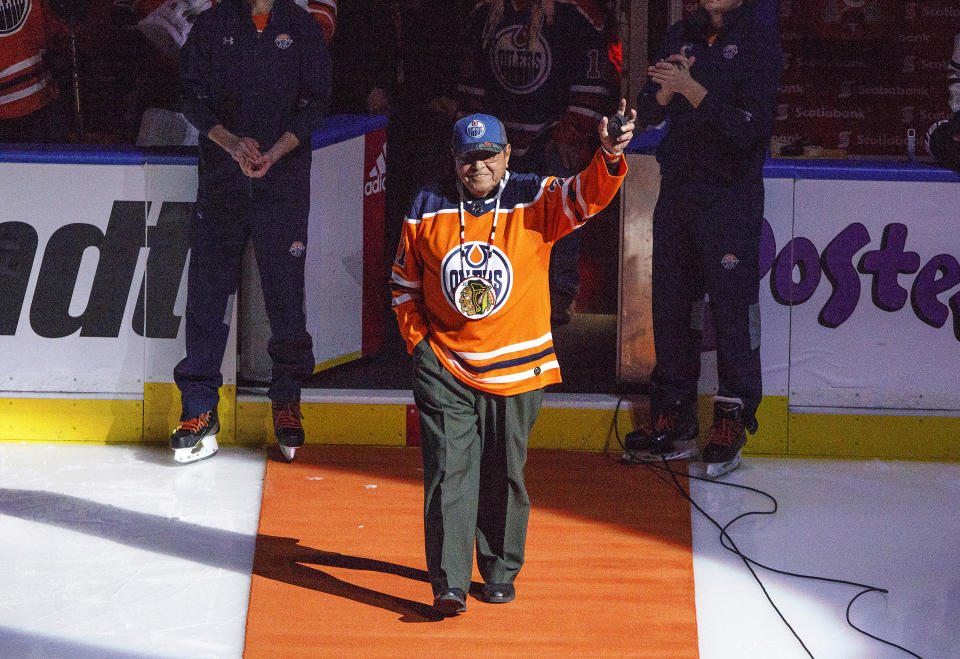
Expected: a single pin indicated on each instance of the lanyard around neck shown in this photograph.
(496, 216)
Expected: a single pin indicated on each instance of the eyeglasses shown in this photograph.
(472, 157)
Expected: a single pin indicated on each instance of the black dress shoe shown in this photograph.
(450, 601)
(498, 593)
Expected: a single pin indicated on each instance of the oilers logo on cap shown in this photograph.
(481, 132)
(476, 129)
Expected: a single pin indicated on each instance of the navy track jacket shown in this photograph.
(255, 85)
(725, 140)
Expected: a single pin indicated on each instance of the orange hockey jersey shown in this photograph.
(509, 350)
(25, 81)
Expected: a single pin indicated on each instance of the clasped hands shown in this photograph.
(246, 151)
(673, 76)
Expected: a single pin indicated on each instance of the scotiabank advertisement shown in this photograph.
(858, 74)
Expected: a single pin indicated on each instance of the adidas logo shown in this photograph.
(376, 177)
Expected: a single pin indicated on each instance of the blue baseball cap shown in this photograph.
(478, 132)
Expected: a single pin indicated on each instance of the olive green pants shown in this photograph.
(474, 451)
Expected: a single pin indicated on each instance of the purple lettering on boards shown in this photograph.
(768, 248)
(838, 267)
(799, 254)
(886, 263)
(927, 285)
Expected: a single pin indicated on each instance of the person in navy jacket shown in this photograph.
(256, 77)
(943, 137)
(716, 85)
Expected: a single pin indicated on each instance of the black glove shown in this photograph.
(941, 144)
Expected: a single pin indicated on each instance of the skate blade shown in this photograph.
(714, 470)
(288, 452)
(205, 448)
(681, 451)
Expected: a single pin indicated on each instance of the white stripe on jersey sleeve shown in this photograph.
(565, 199)
(21, 65)
(590, 89)
(430, 216)
(581, 202)
(403, 282)
(406, 297)
(579, 109)
(23, 93)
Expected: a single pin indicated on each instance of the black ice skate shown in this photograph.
(725, 438)
(287, 428)
(196, 438)
(672, 436)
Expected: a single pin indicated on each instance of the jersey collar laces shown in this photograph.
(476, 296)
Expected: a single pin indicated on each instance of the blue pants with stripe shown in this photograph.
(277, 226)
(706, 240)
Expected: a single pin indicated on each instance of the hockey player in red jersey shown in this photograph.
(471, 296)
(27, 89)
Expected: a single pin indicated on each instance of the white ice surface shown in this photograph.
(115, 551)
(894, 525)
(112, 552)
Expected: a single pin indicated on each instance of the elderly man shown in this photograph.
(549, 71)
(470, 291)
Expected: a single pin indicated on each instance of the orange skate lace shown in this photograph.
(196, 423)
(666, 421)
(287, 415)
(724, 432)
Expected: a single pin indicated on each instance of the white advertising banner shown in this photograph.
(874, 283)
(95, 286)
(335, 276)
(859, 291)
(74, 260)
(774, 317)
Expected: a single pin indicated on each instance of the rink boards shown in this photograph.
(860, 301)
(93, 259)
